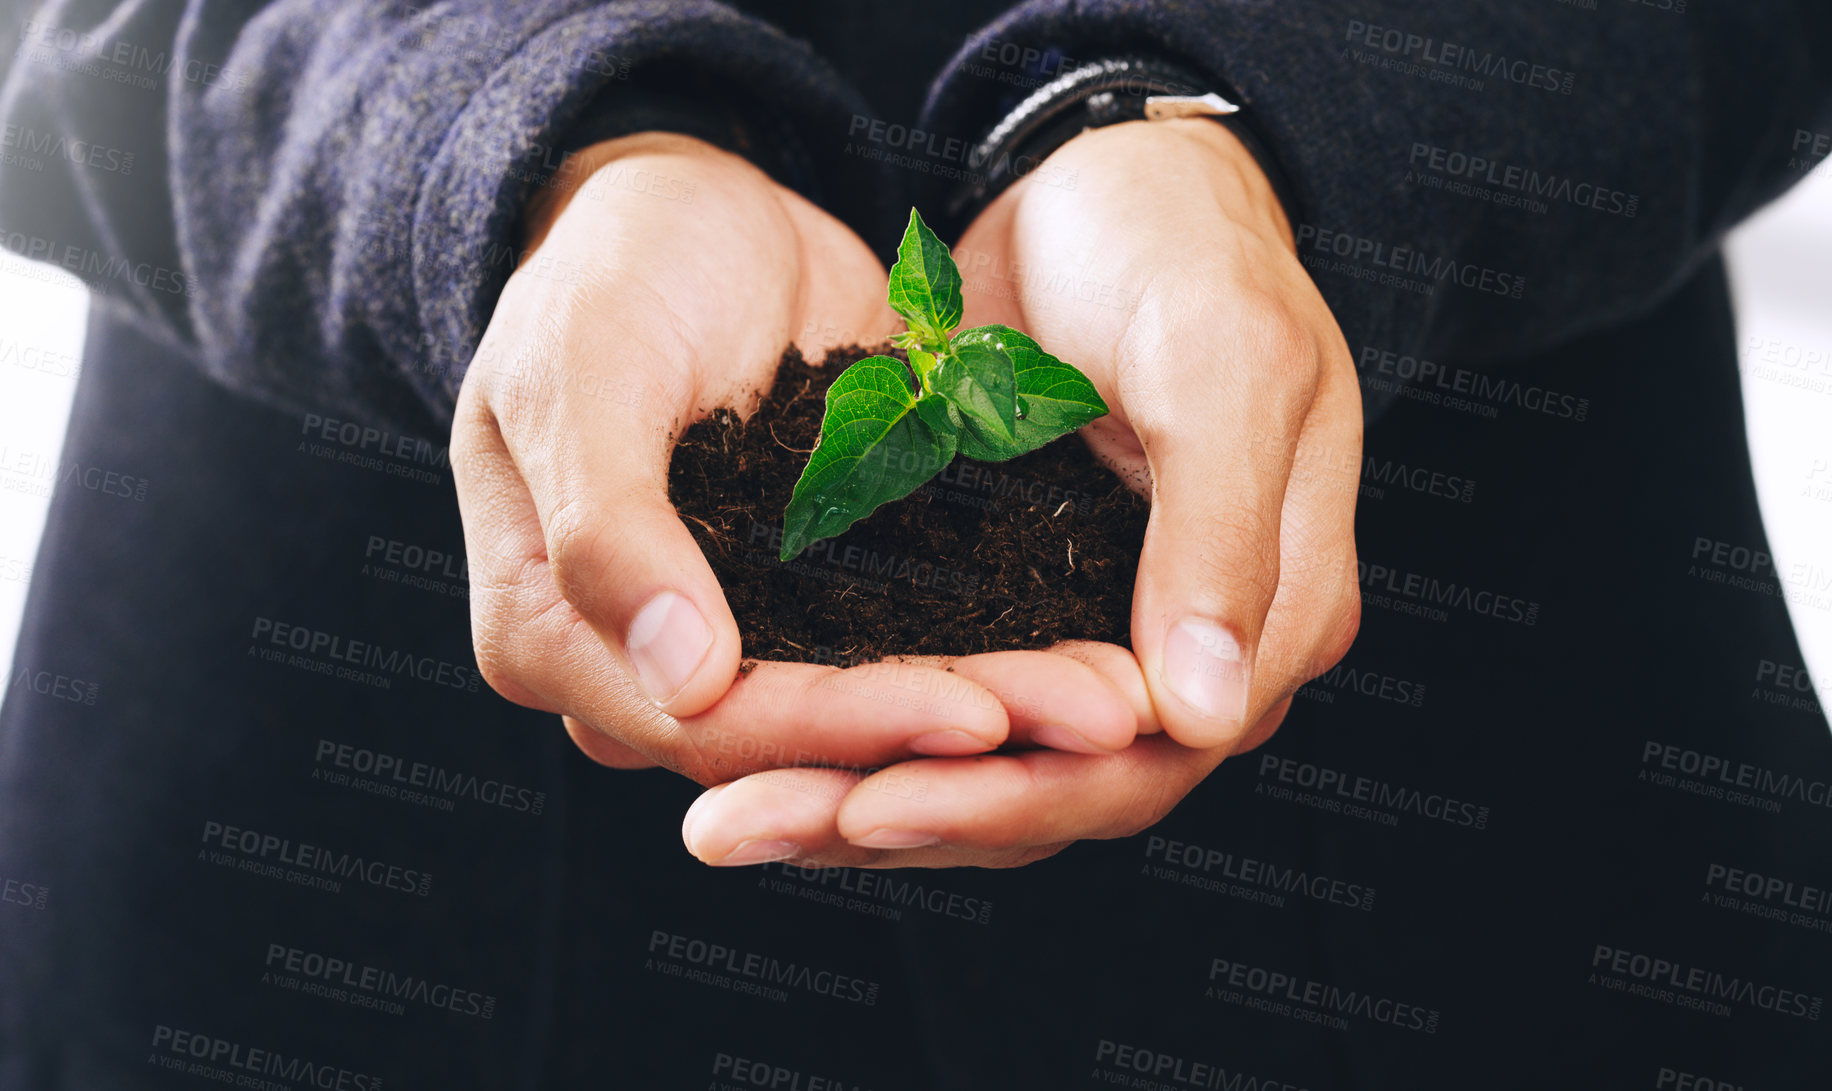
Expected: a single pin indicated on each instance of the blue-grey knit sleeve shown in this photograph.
(1473, 181)
(322, 195)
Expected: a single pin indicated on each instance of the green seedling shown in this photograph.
(989, 393)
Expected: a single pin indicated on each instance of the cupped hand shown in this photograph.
(662, 278)
(993, 810)
(1156, 258)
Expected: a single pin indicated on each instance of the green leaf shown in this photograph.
(939, 413)
(979, 377)
(874, 448)
(926, 285)
(1054, 398)
(922, 363)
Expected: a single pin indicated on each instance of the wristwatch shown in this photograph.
(1088, 97)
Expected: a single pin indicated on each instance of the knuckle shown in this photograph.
(517, 627)
(1345, 625)
(604, 747)
(495, 636)
(1014, 781)
(1236, 555)
(1154, 421)
(1270, 328)
(1262, 732)
(708, 754)
(1327, 612)
(519, 382)
(1025, 855)
(1149, 804)
(690, 765)
(466, 448)
(492, 664)
(577, 550)
(1135, 823)
(1272, 343)
(998, 838)
(501, 669)
(1131, 826)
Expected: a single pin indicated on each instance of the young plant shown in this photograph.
(988, 393)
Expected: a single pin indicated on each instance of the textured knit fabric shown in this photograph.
(1644, 134)
(1023, 980)
(341, 179)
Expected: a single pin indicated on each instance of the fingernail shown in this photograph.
(949, 744)
(760, 851)
(895, 839)
(1207, 668)
(694, 813)
(1058, 737)
(667, 642)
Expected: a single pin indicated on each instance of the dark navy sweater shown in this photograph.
(1468, 835)
(323, 197)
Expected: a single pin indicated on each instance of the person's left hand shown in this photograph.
(1168, 273)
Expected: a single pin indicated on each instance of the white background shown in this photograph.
(1783, 289)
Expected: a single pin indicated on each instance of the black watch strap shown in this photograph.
(1090, 96)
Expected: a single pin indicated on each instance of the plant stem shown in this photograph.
(922, 362)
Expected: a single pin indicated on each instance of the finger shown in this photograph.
(1218, 430)
(1119, 668)
(535, 649)
(778, 814)
(773, 714)
(608, 372)
(782, 714)
(1017, 809)
(603, 749)
(790, 814)
(1014, 808)
(611, 372)
(1317, 612)
(1052, 700)
(1267, 726)
(597, 466)
(1001, 810)
(596, 469)
(531, 646)
(784, 813)
(1007, 802)
(503, 549)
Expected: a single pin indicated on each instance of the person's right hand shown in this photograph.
(634, 313)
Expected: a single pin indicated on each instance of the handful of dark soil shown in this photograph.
(985, 557)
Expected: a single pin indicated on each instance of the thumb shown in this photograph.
(595, 455)
(1209, 566)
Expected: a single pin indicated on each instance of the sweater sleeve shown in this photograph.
(320, 197)
(1474, 181)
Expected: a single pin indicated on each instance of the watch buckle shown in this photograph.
(1165, 107)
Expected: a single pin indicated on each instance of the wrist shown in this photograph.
(669, 154)
(1194, 164)
(1242, 186)
(1103, 95)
